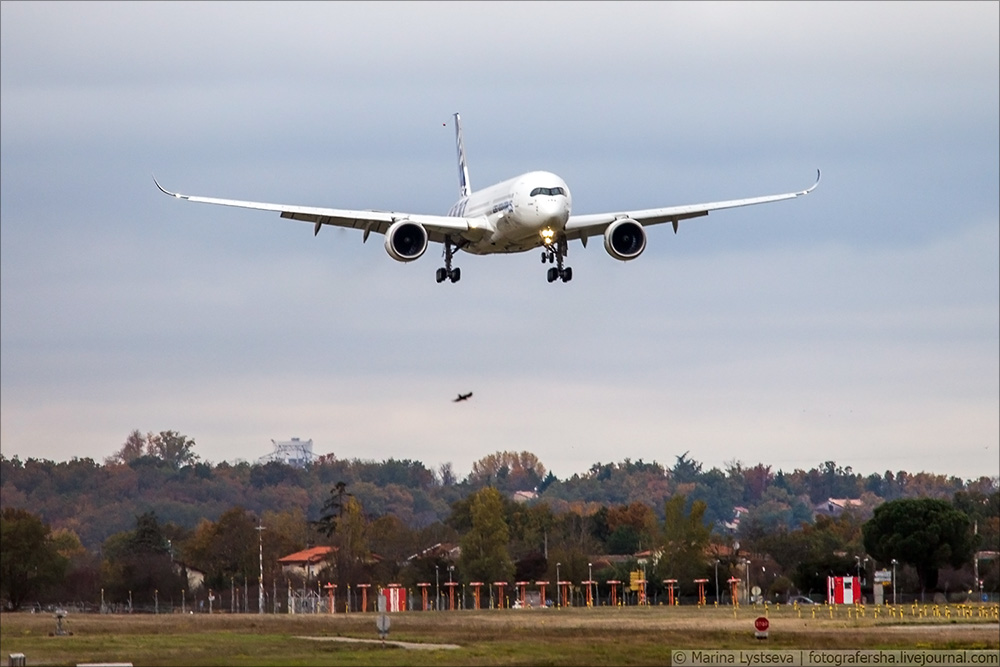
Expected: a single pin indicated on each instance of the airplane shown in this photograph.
(462, 397)
(530, 211)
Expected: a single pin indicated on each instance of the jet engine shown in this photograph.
(625, 239)
(405, 240)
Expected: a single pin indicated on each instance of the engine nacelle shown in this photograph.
(405, 240)
(625, 239)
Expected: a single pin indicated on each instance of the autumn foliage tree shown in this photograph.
(170, 447)
(225, 549)
(509, 471)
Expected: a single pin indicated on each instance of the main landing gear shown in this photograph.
(448, 273)
(555, 256)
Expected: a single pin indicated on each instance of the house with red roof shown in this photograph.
(307, 564)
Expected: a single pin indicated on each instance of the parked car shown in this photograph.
(801, 599)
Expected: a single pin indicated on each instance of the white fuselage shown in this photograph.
(519, 214)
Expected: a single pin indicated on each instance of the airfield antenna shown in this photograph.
(260, 579)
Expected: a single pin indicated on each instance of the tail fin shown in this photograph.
(463, 166)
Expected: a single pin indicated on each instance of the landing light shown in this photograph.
(548, 235)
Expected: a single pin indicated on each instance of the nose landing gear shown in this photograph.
(555, 256)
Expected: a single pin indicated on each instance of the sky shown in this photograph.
(859, 324)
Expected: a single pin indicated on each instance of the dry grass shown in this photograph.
(638, 636)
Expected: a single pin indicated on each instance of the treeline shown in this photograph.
(498, 540)
(161, 473)
(152, 502)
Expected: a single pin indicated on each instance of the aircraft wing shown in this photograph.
(437, 226)
(584, 226)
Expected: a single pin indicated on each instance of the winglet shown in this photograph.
(814, 185)
(167, 192)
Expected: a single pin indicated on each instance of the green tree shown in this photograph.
(810, 575)
(484, 548)
(393, 541)
(29, 559)
(927, 533)
(350, 539)
(685, 541)
(623, 540)
(333, 509)
(686, 470)
(139, 562)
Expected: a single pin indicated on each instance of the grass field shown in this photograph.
(622, 636)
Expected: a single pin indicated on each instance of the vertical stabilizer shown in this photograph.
(463, 166)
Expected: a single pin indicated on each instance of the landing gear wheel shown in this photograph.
(447, 272)
(555, 256)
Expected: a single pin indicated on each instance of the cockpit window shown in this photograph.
(547, 191)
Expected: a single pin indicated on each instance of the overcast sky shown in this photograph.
(860, 324)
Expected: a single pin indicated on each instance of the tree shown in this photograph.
(333, 509)
(925, 532)
(135, 445)
(446, 474)
(636, 515)
(171, 447)
(623, 540)
(83, 570)
(513, 471)
(139, 561)
(686, 470)
(393, 541)
(350, 539)
(225, 549)
(685, 541)
(484, 548)
(29, 559)
(984, 511)
(810, 554)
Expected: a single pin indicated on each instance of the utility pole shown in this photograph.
(894, 562)
(716, 581)
(260, 579)
(975, 564)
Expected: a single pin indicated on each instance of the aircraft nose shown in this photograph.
(552, 211)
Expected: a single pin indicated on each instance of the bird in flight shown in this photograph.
(462, 397)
